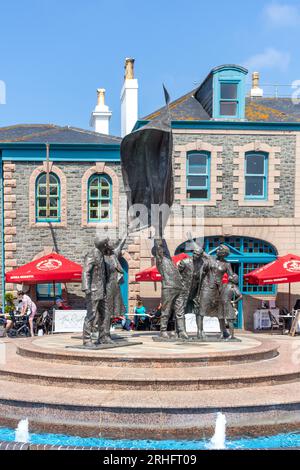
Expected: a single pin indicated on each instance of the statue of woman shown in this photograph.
(208, 297)
(114, 274)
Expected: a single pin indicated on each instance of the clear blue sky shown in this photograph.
(55, 53)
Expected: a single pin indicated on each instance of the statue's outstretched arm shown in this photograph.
(119, 247)
(158, 249)
(195, 245)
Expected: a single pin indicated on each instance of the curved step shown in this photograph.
(152, 384)
(265, 349)
(267, 372)
(158, 415)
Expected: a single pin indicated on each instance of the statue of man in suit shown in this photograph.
(94, 281)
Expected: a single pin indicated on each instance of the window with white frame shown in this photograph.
(256, 175)
(198, 175)
(229, 99)
(47, 198)
(99, 198)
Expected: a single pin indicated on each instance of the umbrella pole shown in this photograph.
(54, 290)
(289, 297)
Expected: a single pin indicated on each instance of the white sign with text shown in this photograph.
(69, 321)
(210, 324)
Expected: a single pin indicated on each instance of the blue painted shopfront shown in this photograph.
(59, 152)
(246, 254)
(124, 283)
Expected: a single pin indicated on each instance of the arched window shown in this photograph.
(41, 198)
(256, 175)
(198, 175)
(99, 198)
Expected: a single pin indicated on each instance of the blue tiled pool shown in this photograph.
(283, 441)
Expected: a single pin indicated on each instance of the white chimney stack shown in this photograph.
(129, 99)
(101, 115)
(255, 90)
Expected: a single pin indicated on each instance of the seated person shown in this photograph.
(144, 324)
(8, 323)
(157, 313)
(126, 322)
(155, 317)
(60, 304)
(139, 312)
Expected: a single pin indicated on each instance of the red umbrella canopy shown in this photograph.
(152, 275)
(285, 269)
(49, 268)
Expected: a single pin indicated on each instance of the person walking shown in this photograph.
(28, 308)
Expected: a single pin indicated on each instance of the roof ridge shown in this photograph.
(88, 131)
(14, 126)
(273, 98)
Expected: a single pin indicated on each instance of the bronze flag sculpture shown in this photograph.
(146, 158)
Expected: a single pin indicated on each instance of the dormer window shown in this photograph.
(223, 93)
(229, 99)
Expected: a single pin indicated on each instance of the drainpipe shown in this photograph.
(2, 233)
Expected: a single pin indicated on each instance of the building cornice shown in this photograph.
(229, 125)
(29, 151)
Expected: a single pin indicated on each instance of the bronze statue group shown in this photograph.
(195, 283)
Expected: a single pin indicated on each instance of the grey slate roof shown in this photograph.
(272, 110)
(41, 133)
(187, 108)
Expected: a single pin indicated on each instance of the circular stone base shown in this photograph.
(149, 353)
(102, 346)
(194, 339)
(154, 389)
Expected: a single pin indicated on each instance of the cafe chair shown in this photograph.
(276, 323)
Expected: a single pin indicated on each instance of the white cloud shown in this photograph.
(280, 15)
(269, 58)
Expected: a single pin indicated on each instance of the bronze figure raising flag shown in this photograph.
(146, 156)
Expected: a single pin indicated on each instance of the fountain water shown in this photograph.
(22, 432)
(217, 442)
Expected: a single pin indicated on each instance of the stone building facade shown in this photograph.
(257, 229)
(73, 235)
(227, 216)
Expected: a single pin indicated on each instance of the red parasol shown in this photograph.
(49, 268)
(152, 275)
(285, 269)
